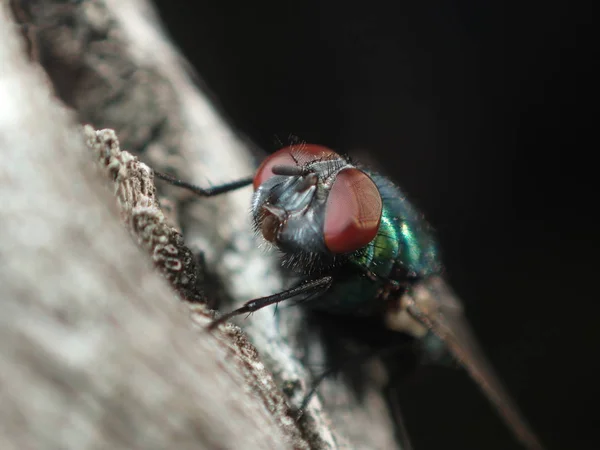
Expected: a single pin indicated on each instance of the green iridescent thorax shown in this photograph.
(404, 239)
(403, 249)
(381, 253)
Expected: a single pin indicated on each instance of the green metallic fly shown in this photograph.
(362, 250)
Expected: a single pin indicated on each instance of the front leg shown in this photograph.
(312, 288)
(205, 192)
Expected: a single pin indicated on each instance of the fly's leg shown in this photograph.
(357, 360)
(205, 192)
(308, 298)
(314, 386)
(311, 288)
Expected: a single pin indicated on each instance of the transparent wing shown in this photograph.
(434, 305)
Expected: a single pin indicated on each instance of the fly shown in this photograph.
(363, 250)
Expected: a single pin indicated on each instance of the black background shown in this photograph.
(477, 110)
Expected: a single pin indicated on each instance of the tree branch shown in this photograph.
(111, 62)
(94, 350)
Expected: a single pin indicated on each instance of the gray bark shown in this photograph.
(96, 351)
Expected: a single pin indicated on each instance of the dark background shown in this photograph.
(477, 110)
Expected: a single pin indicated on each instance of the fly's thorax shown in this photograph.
(315, 205)
(404, 248)
(380, 254)
(404, 236)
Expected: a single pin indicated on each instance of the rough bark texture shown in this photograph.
(93, 341)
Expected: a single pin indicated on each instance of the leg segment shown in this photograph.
(312, 288)
(205, 192)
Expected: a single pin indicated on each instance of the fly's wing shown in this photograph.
(434, 305)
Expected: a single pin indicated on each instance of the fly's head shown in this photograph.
(314, 205)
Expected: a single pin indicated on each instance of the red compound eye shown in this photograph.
(303, 153)
(352, 213)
